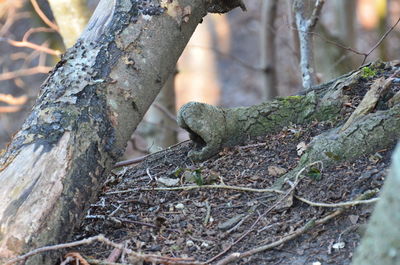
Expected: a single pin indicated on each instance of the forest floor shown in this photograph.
(166, 206)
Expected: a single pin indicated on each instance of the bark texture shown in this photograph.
(305, 25)
(88, 108)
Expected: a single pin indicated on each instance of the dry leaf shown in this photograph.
(301, 148)
(275, 171)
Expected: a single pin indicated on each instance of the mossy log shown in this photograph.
(212, 128)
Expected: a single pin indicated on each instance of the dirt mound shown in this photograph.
(169, 206)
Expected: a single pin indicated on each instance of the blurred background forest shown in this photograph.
(236, 59)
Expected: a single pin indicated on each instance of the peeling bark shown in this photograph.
(88, 107)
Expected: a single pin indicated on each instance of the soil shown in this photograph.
(168, 207)
(200, 223)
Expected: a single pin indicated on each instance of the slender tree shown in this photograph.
(268, 49)
(305, 25)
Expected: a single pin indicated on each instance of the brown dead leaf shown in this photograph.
(276, 171)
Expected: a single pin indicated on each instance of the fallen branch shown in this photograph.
(310, 224)
(142, 158)
(101, 238)
(246, 189)
(286, 194)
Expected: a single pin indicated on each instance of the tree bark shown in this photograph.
(305, 26)
(88, 107)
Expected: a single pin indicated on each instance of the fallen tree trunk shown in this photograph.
(371, 126)
(369, 129)
(88, 107)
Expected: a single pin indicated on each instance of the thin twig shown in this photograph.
(31, 45)
(208, 213)
(35, 30)
(24, 72)
(101, 238)
(316, 13)
(10, 99)
(286, 194)
(247, 189)
(339, 204)
(195, 187)
(229, 56)
(310, 224)
(165, 111)
(350, 49)
(381, 40)
(142, 158)
(43, 16)
(55, 247)
(104, 262)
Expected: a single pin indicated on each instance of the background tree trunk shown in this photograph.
(380, 245)
(330, 60)
(305, 25)
(88, 108)
(158, 127)
(268, 51)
